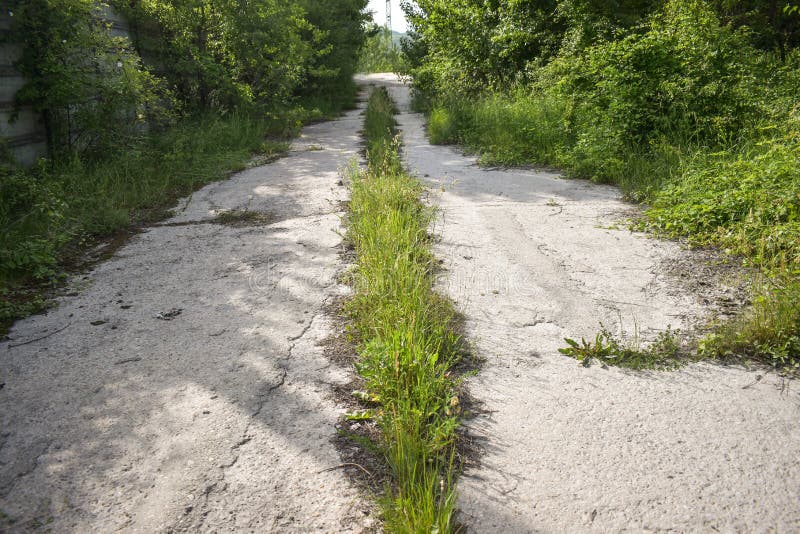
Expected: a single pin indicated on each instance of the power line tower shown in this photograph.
(389, 22)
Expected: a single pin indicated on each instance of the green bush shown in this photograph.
(746, 200)
(91, 89)
(32, 225)
(682, 78)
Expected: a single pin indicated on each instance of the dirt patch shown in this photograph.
(233, 218)
(720, 283)
(241, 218)
(357, 441)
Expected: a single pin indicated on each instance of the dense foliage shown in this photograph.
(210, 55)
(89, 87)
(688, 105)
(134, 123)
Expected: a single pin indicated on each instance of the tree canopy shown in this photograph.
(186, 56)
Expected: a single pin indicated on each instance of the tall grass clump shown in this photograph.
(407, 344)
(768, 331)
(505, 129)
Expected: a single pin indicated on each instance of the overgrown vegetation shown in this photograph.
(689, 106)
(407, 344)
(222, 81)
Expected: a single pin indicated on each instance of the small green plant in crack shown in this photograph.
(360, 415)
(663, 353)
(239, 218)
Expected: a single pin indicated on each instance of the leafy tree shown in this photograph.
(460, 48)
(771, 25)
(224, 54)
(380, 53)
(682, 76)
(473, 44)
(214, 55)
(338, 33)
(91, 88)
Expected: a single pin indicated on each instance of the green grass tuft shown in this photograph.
(768, 332)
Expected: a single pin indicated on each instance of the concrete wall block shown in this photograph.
(25, 136)
(9, 53)
(9, 85)
(5, 19)
(120, 31)
(29, 153)
(28, 122)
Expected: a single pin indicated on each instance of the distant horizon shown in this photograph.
(378, 7)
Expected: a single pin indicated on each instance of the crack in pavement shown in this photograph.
(220, 486)
(201, 510)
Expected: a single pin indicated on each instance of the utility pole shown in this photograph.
(389, 22)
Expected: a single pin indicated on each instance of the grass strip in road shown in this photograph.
(408, 345)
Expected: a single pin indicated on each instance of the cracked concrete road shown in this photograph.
(532, 258)
(217, 420)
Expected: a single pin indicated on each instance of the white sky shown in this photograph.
(398, 17)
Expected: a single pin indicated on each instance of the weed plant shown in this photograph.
(768, 331)
(663, 353)
(408, 346)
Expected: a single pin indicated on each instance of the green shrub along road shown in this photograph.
(688, 106)
(223, 81)
(407, 342)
